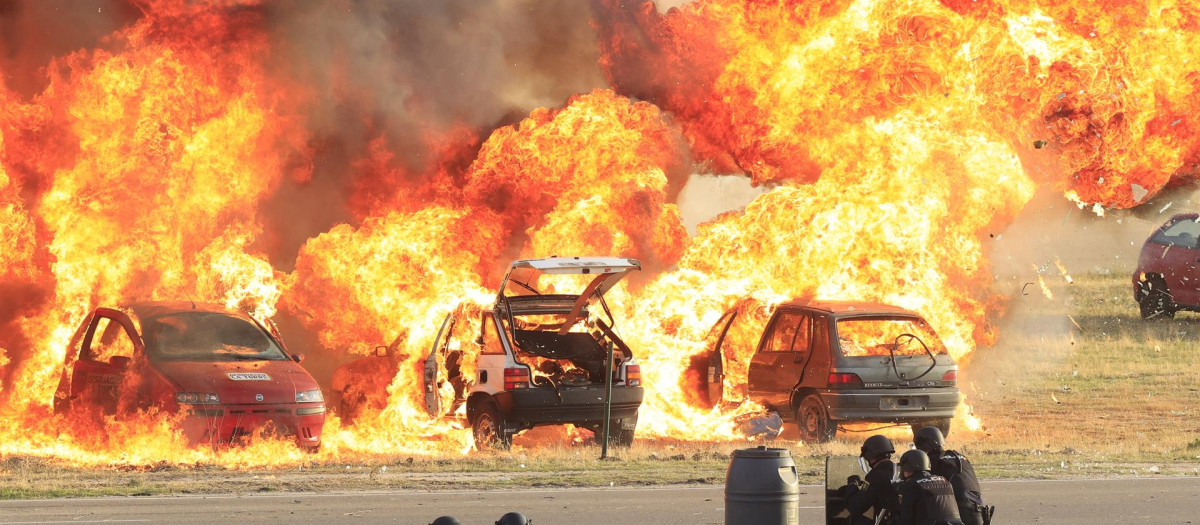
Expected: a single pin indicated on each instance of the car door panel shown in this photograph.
(774, 370)
(96, 375)
(431, 377)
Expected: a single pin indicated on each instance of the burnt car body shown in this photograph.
(359, 387)
(824, 363)
(1167, 278)
(230, 375)
(538, 356)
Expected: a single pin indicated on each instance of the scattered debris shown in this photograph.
(767, 426)
(1076, 323)
(1138, 192)
(1063, 270)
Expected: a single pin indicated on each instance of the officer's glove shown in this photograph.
(853, 485)
(847, 490)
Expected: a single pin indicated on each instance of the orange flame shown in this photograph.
(893, 137)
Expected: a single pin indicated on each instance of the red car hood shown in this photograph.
(240, 382)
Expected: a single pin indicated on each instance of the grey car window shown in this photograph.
(803, 339)
(881, 336)
(789, 330)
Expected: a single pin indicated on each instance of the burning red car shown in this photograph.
(229, 373)
(1167, 278)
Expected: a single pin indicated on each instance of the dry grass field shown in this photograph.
(1076, 386)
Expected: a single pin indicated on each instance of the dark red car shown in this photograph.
(1166, 279)
(230, 374)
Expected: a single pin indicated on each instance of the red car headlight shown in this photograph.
(309, 396)
(196, 398)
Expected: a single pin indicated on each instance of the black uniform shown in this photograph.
(927, 499)
(880, 493)
(961, 475)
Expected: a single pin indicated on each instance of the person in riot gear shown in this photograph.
(959, 472)
(514, 518)
(877, 491)
(446, 520)
(924, 498)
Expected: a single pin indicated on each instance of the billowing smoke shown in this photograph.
(383, 106)
(403, 93)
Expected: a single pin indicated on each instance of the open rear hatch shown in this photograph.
(548, 306)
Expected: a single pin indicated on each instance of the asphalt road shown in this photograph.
(1084, 502)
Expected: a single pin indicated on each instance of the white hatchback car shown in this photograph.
(539, 356)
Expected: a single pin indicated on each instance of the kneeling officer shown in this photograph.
(877, 491)
(925, 498)
(958, 471)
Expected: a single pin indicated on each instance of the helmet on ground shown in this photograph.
(929, 438)
(914, 461)
(876, 446)
(445, 520)
(514, 518)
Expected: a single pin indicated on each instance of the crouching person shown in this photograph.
(925, 498)
(958, 471)
(877, 490)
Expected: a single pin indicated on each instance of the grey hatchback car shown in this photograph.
(825, 363)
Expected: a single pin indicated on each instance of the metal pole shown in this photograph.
(608, 379)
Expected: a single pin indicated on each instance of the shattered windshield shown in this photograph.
(207, 336)
(878, 336)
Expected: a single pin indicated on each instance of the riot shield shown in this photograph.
(837, 469)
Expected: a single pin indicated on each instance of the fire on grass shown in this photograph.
(895, 137)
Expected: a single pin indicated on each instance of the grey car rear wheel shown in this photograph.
(813, 420)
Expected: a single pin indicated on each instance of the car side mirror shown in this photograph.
(381, 351)
(299, 358)
(120, 361)
(479, 340)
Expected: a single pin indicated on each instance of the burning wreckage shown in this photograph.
(538, 356)
(827, 363)
(225, 374)
(186, 112)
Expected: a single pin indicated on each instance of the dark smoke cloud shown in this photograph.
(34, 32)
(397, 94)
(428, 79)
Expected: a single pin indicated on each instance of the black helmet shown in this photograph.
(929, 438)
(514, 518)
(876, 446)
(914, 461)
(445, 520)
